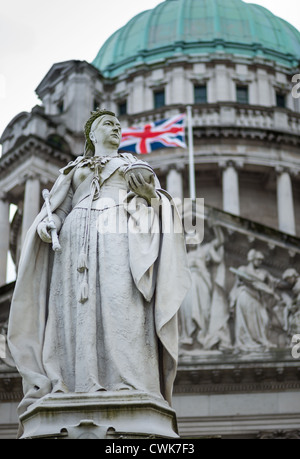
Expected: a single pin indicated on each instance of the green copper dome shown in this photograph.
(197, 27)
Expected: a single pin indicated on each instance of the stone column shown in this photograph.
(223, 83)
(4, 236)
(174, 183)
(177, 87)
(285, 202)
(230, 181)
(31, 205)
(263, 88)
(137, 96)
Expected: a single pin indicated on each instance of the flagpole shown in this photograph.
(191, 154)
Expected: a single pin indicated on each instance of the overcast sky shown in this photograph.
(35, 34)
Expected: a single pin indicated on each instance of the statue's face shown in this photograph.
(106, 131)
(257, 261)
(291, 280)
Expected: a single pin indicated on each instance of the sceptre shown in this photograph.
(55, 242)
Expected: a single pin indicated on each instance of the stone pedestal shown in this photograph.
(100, 415)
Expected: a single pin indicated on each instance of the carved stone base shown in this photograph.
(102, 415)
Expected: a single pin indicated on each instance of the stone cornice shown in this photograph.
(210, 60)
(214, 388)
(31, 146)
(269, 136)
(250, 376)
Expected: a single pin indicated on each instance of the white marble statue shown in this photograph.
(204, 312)
(101, 314)
(249, 300)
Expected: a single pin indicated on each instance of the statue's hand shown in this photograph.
(45, 227)
(139, 186)
(43, 231)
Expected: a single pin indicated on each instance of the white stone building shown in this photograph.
(233, 63)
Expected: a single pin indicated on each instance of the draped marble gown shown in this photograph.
(109, 323)
(109, 341)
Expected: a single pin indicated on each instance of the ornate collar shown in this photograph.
(96, 162)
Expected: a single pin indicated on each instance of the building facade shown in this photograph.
(233, 63)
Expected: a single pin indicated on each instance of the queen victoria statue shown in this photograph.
(101, 313)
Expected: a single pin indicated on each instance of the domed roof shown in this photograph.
(195, 27)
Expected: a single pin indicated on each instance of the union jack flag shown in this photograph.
(158, 134)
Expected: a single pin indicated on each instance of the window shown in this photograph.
(280, 100)
(60, 106)
(200, 94)
(242, 95)
(159, 98)
(122, 108)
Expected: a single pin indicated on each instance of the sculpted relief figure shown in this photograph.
(101, 314)
(284, 316)
(291, 300)
(204, 311)
(281, 312)
(254, 289)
